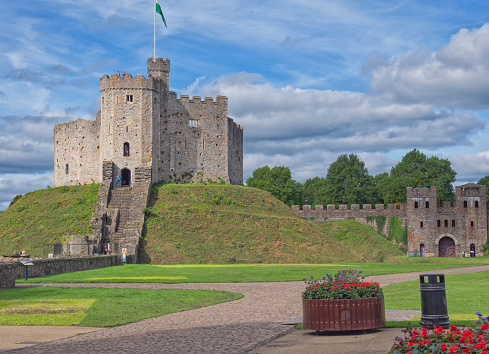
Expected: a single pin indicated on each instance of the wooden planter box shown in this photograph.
(343, 315)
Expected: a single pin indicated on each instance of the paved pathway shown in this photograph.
(232, 327)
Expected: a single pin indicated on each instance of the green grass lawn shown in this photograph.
(228, 273)
(466, 294)
(99, 307)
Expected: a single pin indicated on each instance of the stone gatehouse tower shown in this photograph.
(444, 230)
(145, 134)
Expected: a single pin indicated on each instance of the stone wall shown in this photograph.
(76, 152)
(331, 213)
(11, 270)
(235, 152)
(195, 140)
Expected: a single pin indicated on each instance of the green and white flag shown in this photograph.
(158, 10)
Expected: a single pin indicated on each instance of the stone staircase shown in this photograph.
(118, 218)
(120, 199)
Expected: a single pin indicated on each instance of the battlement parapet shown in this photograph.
(421, 192)
(196, 100)
(127, 81)
(74, 124)
(345, 213)
(470, 190)
(158, 65)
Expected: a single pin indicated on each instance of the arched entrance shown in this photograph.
(446, 247)
(125, 177)
(421, 250)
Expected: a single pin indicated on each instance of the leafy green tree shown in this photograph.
(418, 171)
(278, 181)
(348, 182)
(314, 191)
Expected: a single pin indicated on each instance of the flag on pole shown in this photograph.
(158, 10)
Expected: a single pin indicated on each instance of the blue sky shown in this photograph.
(308, 80)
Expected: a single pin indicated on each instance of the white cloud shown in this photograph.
(455, 76)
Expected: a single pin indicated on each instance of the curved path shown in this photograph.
(232, 327)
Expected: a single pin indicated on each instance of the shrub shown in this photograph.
(346, 284)
(454, 340)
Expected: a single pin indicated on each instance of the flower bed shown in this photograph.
(440, 341)
(343, 302)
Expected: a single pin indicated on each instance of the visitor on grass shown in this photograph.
(23, 254)
(15, 254)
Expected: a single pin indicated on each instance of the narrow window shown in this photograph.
(453, 223)
(203, 144)
(103, 100)
(471, 223)
(126, 149)
(465, 204)
(438, 223)
(127, 129)
(416, 205)
(129, 98)
(427, 205)
(67, 169)
(421, 224)
(476, 203)
(117, 100)
(185, 143)
(446, 223)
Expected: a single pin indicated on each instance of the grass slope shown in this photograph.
(41, 218)
(231, 224)
(362, 240)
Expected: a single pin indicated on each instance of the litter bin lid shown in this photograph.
(435, 274)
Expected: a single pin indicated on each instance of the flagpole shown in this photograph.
(154, 31)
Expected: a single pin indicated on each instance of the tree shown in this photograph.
(348, 182)
(418, 171)
(313, 191)
(278, 181)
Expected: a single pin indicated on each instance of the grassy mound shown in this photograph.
(41, 218)
(231, 224)
(196, 224)
(362, 240)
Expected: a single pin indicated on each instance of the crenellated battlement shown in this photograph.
(342, 212)
(127, 81)
(197, 100)
(158, 66)
(74, 125)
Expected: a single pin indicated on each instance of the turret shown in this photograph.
(160, 69)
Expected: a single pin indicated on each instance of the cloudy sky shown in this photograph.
(308, 80)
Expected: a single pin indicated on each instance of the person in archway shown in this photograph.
(118, 180)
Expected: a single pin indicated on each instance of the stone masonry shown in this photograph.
(434, 229)
(144, 134)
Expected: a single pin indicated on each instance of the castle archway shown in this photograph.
(126, 177)
(446, 247)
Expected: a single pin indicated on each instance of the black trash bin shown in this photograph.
(433, 301)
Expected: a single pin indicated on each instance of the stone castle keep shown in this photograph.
(145, 134)
(433, 229)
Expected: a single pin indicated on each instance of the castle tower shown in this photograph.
(130, 118)
(421, 209)
(471, 211)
